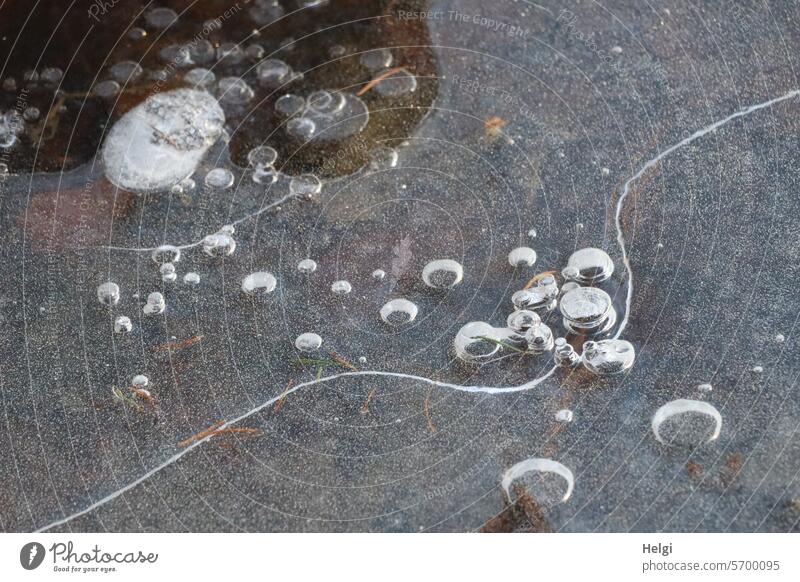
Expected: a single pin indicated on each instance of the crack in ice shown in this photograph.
(473, 389)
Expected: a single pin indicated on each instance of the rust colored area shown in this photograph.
(74, 218)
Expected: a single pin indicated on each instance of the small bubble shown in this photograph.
(362, 360)
(305, 185)
(123, 324)
(219, 245)
(612, 356)
(273, 72)
(108, 293)
(399, 312)
(705, 387)
(200, 77)
(166, 254)
(308, 342)
(379, 274)
(397, 84)
(383, 157)
(564, 415)
(301, 127)
(307, 266)
(522, 257)
(125, 71)
(168, 274)
(219, 178)
(780, 338)
(191, 278)
(532, 233)
(758, 369)
(259, 283)
(288, 105)
(234, 90)
(140, 381)
(155, 304)
(262, 156)
(160, 18)
(376, 60)
(341, 287)
(686, 422)
(442, 274)
(106, 89)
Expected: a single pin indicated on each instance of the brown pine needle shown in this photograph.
(492, 125)
(378, 79)
(202, 434)
(536, 278)
(172, 346)
(342, 362)
(365, 406)
(279, 404)
(234, 430)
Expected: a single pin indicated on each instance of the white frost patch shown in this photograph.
(162, 141)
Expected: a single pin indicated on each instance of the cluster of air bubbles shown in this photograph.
(123, 324)
(219, 179)
(108, 293)
(259, 283)
(541, 296)
(307, 266)
(341, 287)
(262, 159)
(12, 125)
(610, 356)
(191, 278)
(686, 422)
(323, 115)
(522, 257)
(168, 274)
(308, 342)
(565, 355)
(587, 310)
(156, 304)
(442, 274)
(399, 311)
(305, 186)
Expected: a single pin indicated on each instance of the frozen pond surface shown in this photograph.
(241, 402)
